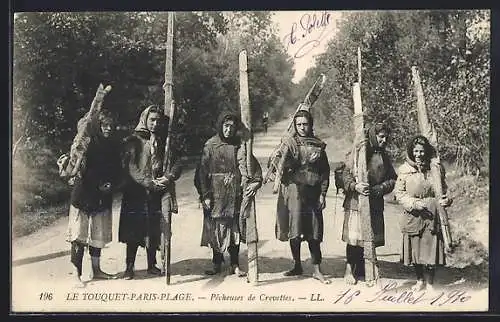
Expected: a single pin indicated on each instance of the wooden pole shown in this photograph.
(427, 130)
(359, 66)
(371, 269)
(169, 110)
(167, 87)
(22, 136)
(424, 123)
(364, 209)
(246, 119)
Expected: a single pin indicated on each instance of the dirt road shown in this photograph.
(42, 280)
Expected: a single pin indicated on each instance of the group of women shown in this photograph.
(305, 182)
(301, 200)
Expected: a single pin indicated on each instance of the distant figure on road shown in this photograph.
(265, 119)
(91, 198)
(302, 193)
(141, 212)
(363, 236)
(422, 245)
(220, 177)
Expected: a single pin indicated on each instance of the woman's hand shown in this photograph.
(206, 203)
(322, 202)
(105, 187)
(251, 189)
(159, 185)
(362, 188)
(161, 181)
(418, 205)
(445, 201)
(377, 191)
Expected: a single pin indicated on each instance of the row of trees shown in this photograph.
(60, 59)
(452, 51)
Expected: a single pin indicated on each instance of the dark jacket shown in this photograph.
(142, 201)
(306, 176)
(219, 174)
(102, 164)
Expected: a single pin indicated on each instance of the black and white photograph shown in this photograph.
(250, 161)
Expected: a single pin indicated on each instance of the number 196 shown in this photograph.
(46, 296)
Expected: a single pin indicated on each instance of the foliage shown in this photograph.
(469, 217)
(451, 50)
(60, 59)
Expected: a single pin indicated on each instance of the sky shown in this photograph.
(305, 34)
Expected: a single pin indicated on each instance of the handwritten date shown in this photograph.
(388, 295)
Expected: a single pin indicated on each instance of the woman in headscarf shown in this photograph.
(302, 193)
(364, 234)
(422, 244)
(220, 178)
(91, 197)
(146, 186)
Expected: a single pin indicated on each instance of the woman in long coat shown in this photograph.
(141, 211)
(91, 198)
(363, 236)
(422, 244)
(219, 180)
(301, 198)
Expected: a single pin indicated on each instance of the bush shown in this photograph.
(37, 183)
(469, 217)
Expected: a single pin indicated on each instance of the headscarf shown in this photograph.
(373, 150)
(291, 141)
(228, 115)
(428, 154)
(372, 135)
(142, 125)
(308, 116)
(156, 140)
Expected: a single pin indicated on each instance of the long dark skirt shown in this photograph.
(219, 233)
(426, 248)
(140, 228)
(298, 214)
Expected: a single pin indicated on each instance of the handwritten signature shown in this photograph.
(300, 33)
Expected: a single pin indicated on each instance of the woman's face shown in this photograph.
(153, 122)
(382, 139)
(228, 129)
(302, 125)
(419, 153)
(107, 128)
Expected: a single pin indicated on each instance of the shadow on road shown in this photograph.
(470, 277)
(41, 258)
(196, 268)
